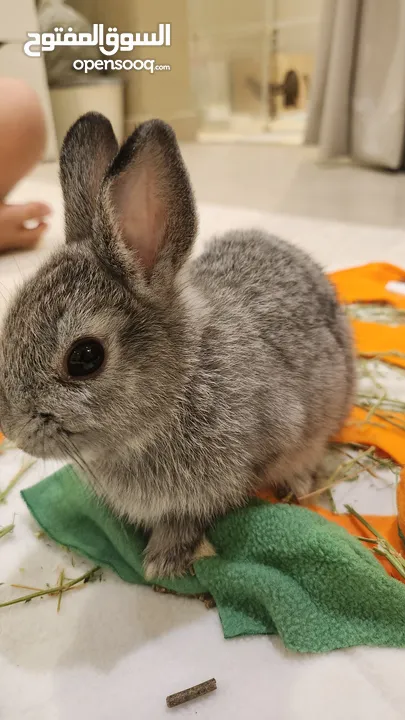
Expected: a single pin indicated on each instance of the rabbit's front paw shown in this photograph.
(167, 563)
(168, 555)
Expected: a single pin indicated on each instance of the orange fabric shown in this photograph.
(387, 437)
(367, 283)
(401, 502)
(374, 337)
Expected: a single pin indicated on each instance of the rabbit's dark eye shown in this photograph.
(85, 358)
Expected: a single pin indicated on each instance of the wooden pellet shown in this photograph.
(191, 693)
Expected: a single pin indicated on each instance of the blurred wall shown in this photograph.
(239, 46)
(234, 26)
(168, 94)
(301, 38)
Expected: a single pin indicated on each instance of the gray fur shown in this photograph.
(224, 373)
(95, 147)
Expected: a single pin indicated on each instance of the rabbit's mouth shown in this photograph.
(45, 448)
(41, 436)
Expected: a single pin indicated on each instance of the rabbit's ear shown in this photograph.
(87, 151)
(147, 203)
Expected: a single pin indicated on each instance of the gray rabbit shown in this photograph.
(178, 386)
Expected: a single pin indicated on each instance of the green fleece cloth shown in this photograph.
(279, 569)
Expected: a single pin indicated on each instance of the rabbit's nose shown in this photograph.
(45, 416)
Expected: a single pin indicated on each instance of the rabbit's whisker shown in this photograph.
(69, 447)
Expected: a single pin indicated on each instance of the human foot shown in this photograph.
(21, 226)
